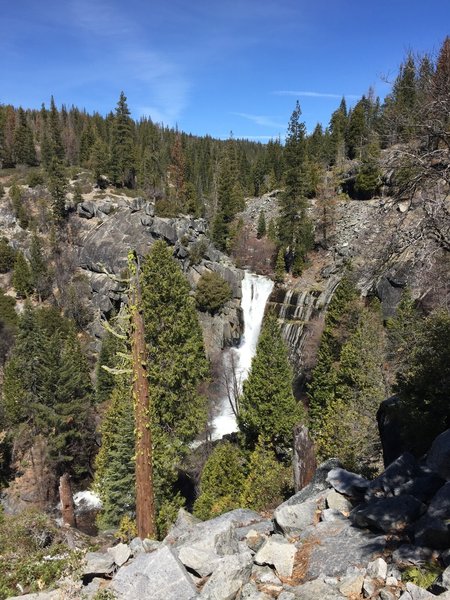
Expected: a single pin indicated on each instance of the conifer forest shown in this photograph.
(135, 376)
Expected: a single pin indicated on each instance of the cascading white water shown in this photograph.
(256, 290)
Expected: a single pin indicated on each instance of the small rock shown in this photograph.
(409, 554)
(264, 575)
(293, 517)
(351, 585)
(331, 514)
(315, 590)
(392, 581)
(347, 483)
(120, 553)
(405, 596)
(231, 574)
(393, 571)
(277, 551)
(338, 501)
(387, 595)
(251, 592)
(377, 569)
(137, 546)
(445, 578)
(369, 587)
(98, 563)
(286, 596)
(151, 545)
(418, 593)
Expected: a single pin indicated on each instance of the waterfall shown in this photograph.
(256, 290)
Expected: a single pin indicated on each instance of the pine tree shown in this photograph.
(261, 230)
(22, 278)
(294, 227)
(7, 256)
(176, 360)
(424, 387)
(221, 482)
(268, 481)
(40, 278)
(267, 405)
(105, 380)
(123, 169)
(24, 151)
(115, 465)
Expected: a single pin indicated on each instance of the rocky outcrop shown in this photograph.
(312, 549)
(113, 226)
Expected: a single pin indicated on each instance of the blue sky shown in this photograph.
(211, 66)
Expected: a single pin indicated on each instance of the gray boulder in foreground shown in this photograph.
(347, 483)
(388, 514)
(159, 576)
(232, 573)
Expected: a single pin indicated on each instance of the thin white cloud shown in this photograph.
(132, 60)
(262, 120)
(300, 94)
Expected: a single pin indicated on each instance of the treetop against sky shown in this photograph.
(211, 66)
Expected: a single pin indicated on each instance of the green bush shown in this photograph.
(35, 178)
(221, 482)
(7, 256)
(32, 554)
(212, 292)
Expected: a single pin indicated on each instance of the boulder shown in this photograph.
(388, 514)
(120, 554)
(408, 554)
(202, 547)
(331, 514)
(440, 504)
(159, 576)
(293, 517)
(251, 592)
(86, 210)
(338, 502)
(423, 487)
(347, 483)
(432, 532)
(313, 590)
(397, 474)
(330, 549)
(377, 569)
(438, 458)
(232, 573)
(53, 595)
(279, 553)
(98, 563)
(351, 585)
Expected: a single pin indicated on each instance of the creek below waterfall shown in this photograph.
(236, 362)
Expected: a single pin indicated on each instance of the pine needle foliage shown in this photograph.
(267, 405)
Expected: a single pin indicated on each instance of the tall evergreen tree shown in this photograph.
(267, 405)
(22, 278)
(176, 360)
(123, 167)
(24, 151)
(115, 465)
(294, 226)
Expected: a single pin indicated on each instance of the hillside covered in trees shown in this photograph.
(114, 389)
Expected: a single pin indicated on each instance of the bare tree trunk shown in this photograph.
(145, 504)
(304, 461)
(67, 504)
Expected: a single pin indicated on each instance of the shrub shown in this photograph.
(221, 482)
(212, 292)
(7, 256)
(32, 554)
(35, 178)
(268, 482)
